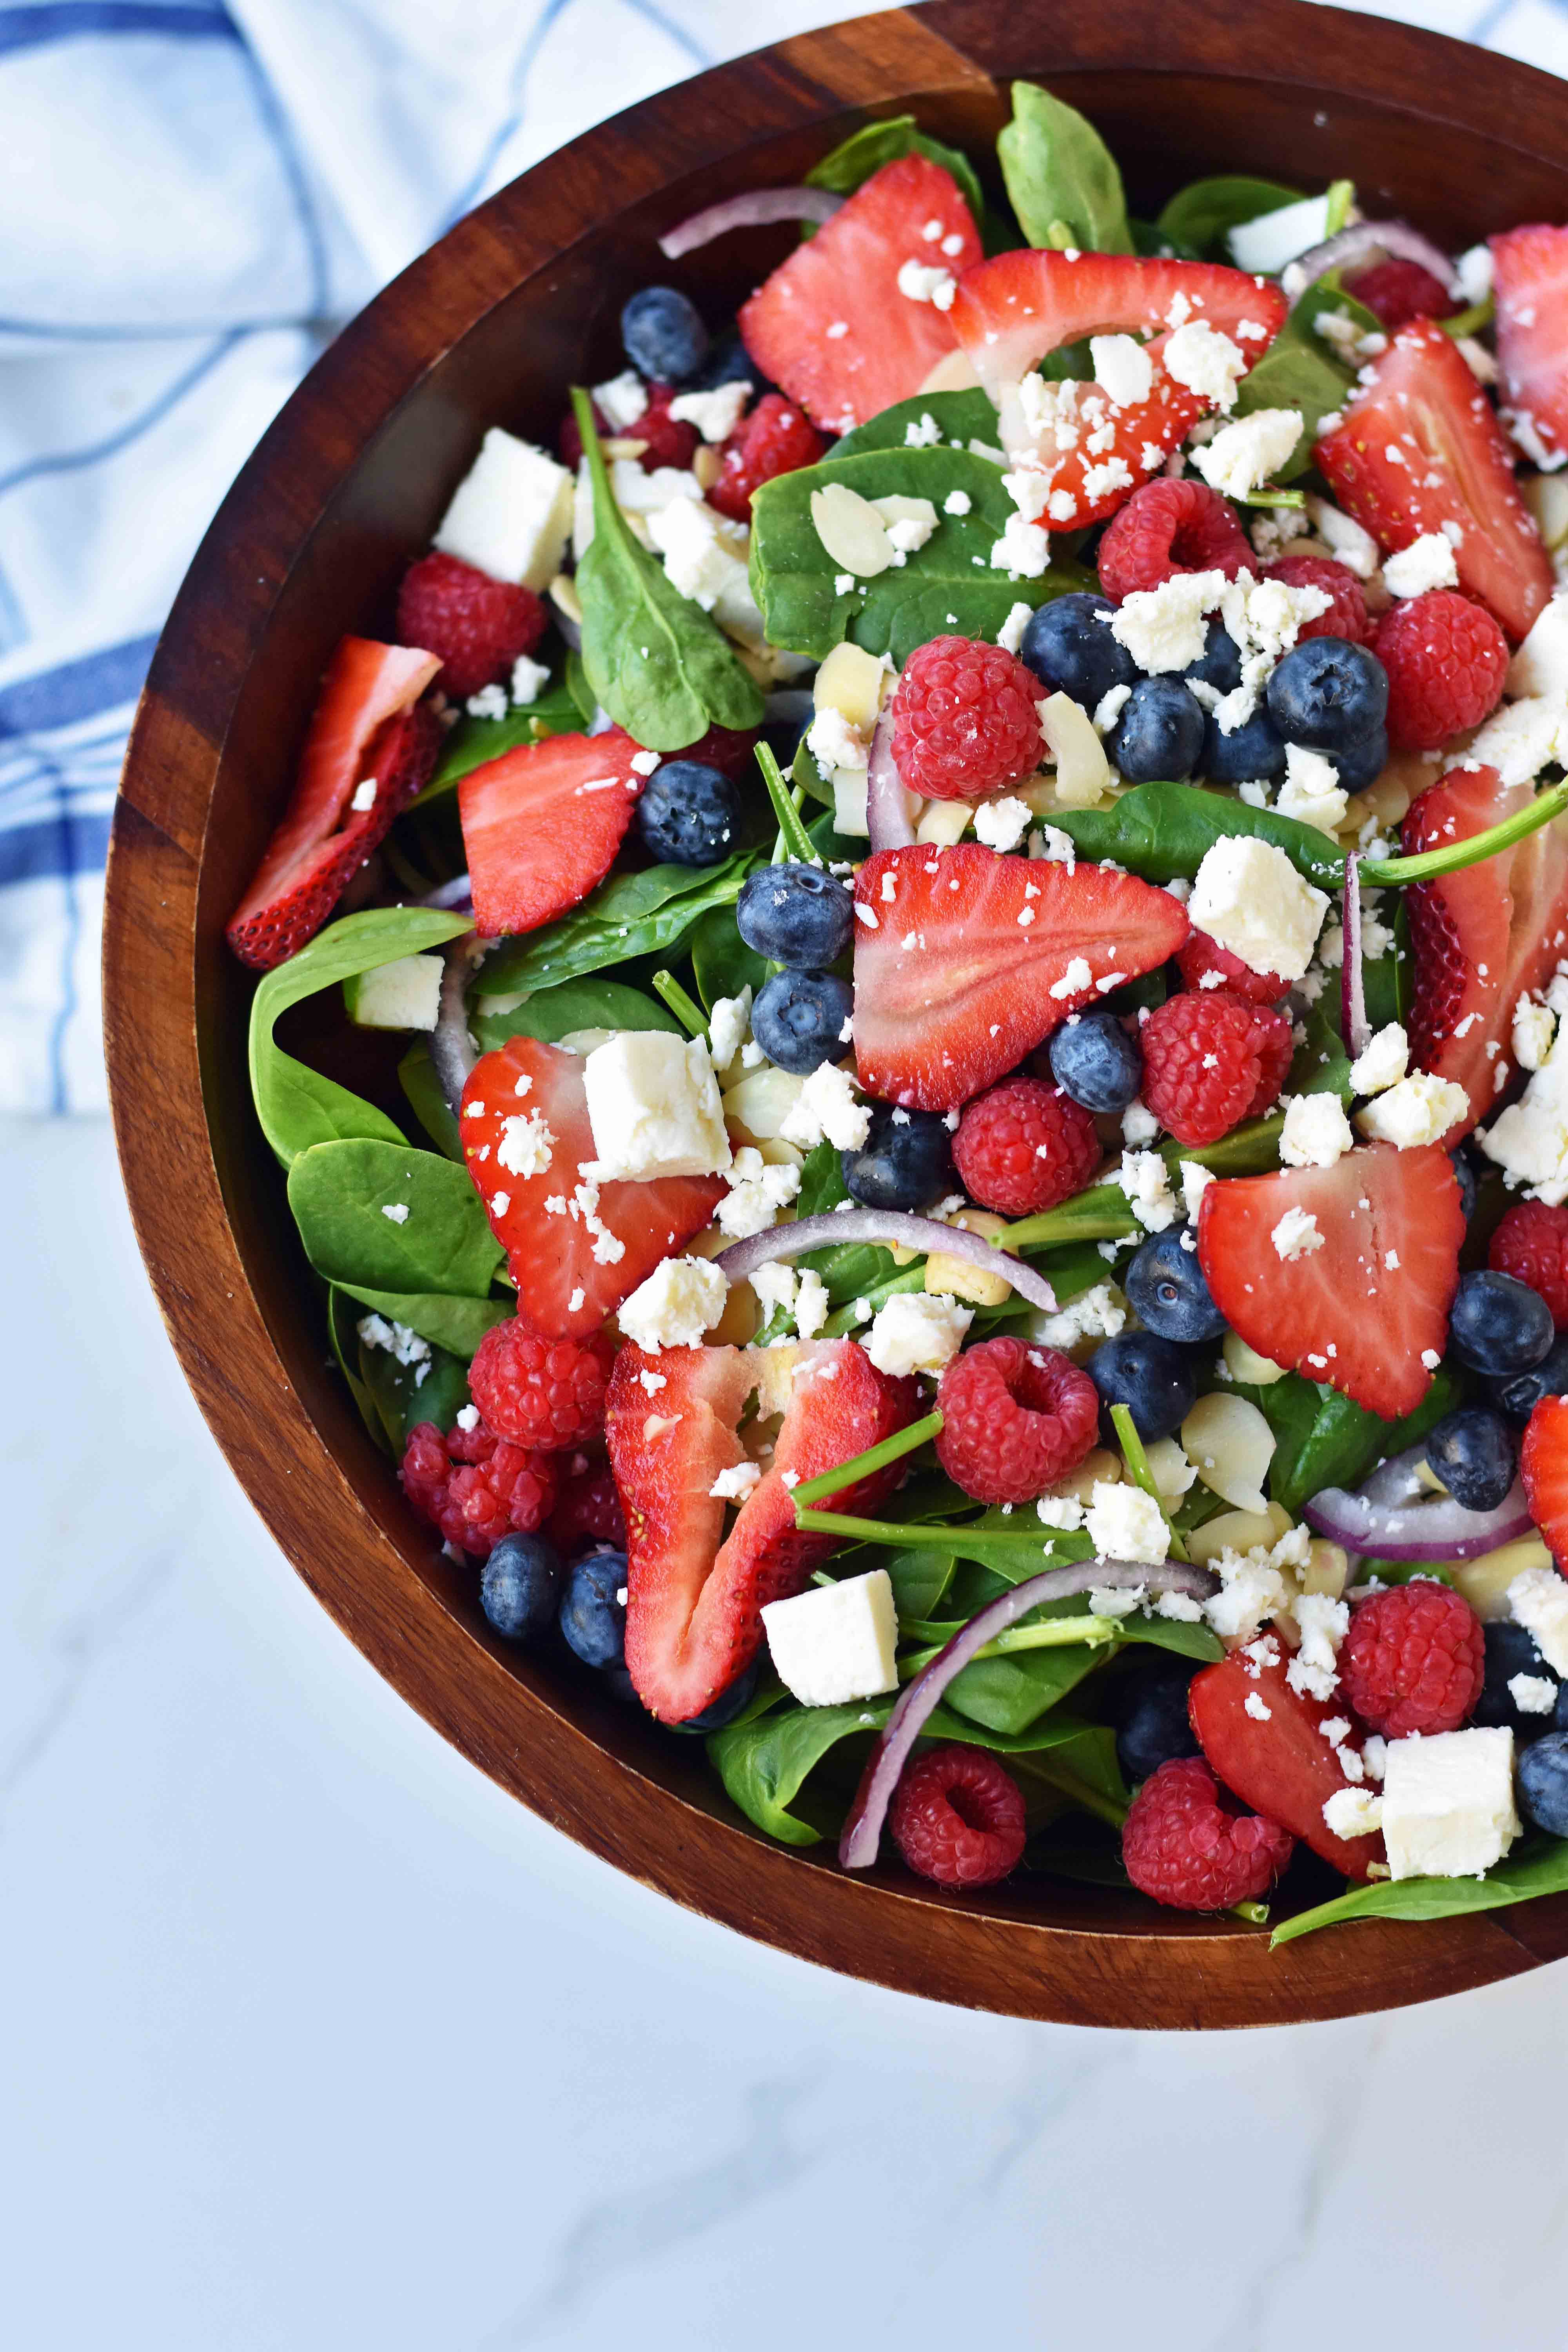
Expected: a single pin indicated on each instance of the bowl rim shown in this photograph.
(166, 1091)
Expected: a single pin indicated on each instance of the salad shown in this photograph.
(949, 920)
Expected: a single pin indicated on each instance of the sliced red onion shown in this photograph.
(1353, 980)
(889, 1226)
(890, 1752)
(457, 894)
(1392, 1516)
(758, 208)
(570, 629)
(887, 811)
(452, 1051)
(1367, 242)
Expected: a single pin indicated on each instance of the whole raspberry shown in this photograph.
(1532, 1244)
(589, 1510)
(730, 750)
(547, 1393)
(667, 442)
(1024, 1147)
(775, 438)
(1346, 616)
(479, 626)
(965, 719)
(1398, 291)
(1199, 956)
(1014, 1420)
(1188, 1843)
(957, 1817)
(1413, 1660)
(1209, 1059)
(1446, 659)
(1168, 526)
(475, 1486)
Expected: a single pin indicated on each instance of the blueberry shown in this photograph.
(689, 814)
(800, 1017)
(1464, 1168)
(1251, 753)
(1159, 734)
(1499, 1326)
(730, 362)
(1095, 1061)
(796, 914)
(1543, 1784)
(593, 1614)
(662, 335)
(1327, 694)
(1153, 1727)
(1167, 1292)
(904, 1162)
(1149, 1375)
(1520, 1396)
(1510, 1651)
(1360, 764)
(520, 1586)
(729, 1703)
(1069, 645)
(1219, 664)
(1475, 1453)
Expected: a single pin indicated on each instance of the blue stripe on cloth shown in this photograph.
(70, 460)
(68, 20)
(65, 845)
(59, 697)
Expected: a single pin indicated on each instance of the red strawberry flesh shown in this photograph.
(1529, 281)
(1279, 1764)
(541, 825)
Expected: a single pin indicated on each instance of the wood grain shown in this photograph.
(520, 300)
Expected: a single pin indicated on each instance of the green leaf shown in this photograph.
(1537, 1867)
(919, 1580)
(1320, 1064)
(342, 1314)
(416, 1076)
(630, 915)
(661, 667)
(552, 1014)
(404, 1395)
(296, 1106)
(1324, 1439)
(455, 1325)
(473, 743)
(1300, 370)
(1161, 831)
(721, 962)
(961, 417)
(946, 585)
(1062, 179)
(1388, 982)
(852, 162)
(578, 687)
(339, 1192)
(1200, 213)
(1007, 1694)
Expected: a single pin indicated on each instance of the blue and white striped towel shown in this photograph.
(194, 193)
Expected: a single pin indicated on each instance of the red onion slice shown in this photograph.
(1393, 1516)
(888, 1226)
(890, 1752)
(1368, 241)
(889, 814)
(1352, 978)
(457, 894)
(452, 1051)
(758, 208)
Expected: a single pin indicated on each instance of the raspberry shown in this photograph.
(1014, 1420)
(1446, 659)
(1413, 1660)
(1187, 1842)
(1024, 1147)
(589, 1510)
(1211, 1060)
(1168, 526)
(1346, 616)
(957, 1817)
(775, 438)
(478, 625)
(1532, 1244)
(475, 1486)
(965, 719)
(547, 1393)
(668, 442)
(1201, 955)
(1398, 291)
(730, 750)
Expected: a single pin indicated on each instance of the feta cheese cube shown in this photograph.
(1122, 369)
(1427, 562)
(1382, 1062)
(1311, 792)
(1447, 1803)
(1316, 1131)
(826, 1105)
(715, 414)
(510, 515)
(654, 1108)
(915, 1331)
(621, 401)
(1164, 628)
(1415, 1110)
(1125, 1523)
(682, 1298)
(697, 563)
(1249, 896)
(1539, 1601)
(835, 1642)
(1265, 243)
(1243, 456)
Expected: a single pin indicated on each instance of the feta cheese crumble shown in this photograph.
(917, 1331)
(1249, 897)
(1297, 1234)
(682, 1298)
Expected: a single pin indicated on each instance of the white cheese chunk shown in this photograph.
(1447, 1803)
(1539, 1601)
(682, 1298)
(835, 1642)
(1415, 1110)
(1206, 361)
(1427, 562)
(915, 1331)
(654, 1107)
(1243, 456)
(1265, 243)
(1316, 1131)
(1382, 1062)
(1541, 665)
(1249, 897)
(1125, 1523)
(510, 515)
(1122, 369)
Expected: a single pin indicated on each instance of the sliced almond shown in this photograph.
(1245, 1364)
(563, 594)
(852, 532)
(954, 372)
(708, 465)
(1172, 1473)
(910, 521)
(1230, 1445)
(1327, 1569)
(1238, 1531)
(850, 682)
(957, 1278)
(756, 1110)
(1485, 1581)
(1083, 772)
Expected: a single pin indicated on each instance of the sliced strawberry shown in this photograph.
(1419, 450)
(695, 1597)
(1482, 936)
(1543, 1462)
(1530, 279)
(313, 853)
(1013, 309)
(541, 825)
(1279, 1763)
(831, 325)
(964, 960)
(573, 1248)
(1361, 1309)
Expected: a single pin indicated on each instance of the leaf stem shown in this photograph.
(796, 839)
(860, 1465)
(1137, 1461)
(1382, 872)
(1006, 1550)
(668, 989)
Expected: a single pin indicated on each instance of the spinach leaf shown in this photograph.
(866, 151)
(721, 962)
(1161, 831)
(661, 668)
(455, 1325)
(1388, 981)
(1320, 1064)
(342, 1314)
(630, 915)
(1324, 1439)
(1061, 178)
(1007, 1694)
(962, 417)
(472, 742)
(919, 1580)
(1537, 1866)
(405, 1394)
(296, 1106)
(1200, 213)
(582, 696)
(552, 1014)
(339, 1192)
(946, 585)
(416, 1076)
(1152, 242)
(1300, 370)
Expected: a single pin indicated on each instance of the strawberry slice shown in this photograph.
(358, 731)
(1482, 936)
(831, 324)
(1015, 309)
(695, 1596)
(1279, 1764)
(1361, 1309)
(574, 1249)
(541, 825)
(1419, 450)
(1543, 1464)
(965, 961)
(1529, 281)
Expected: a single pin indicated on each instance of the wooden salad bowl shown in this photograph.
(520, 299)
